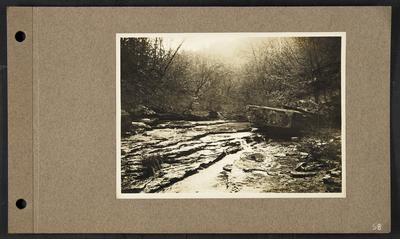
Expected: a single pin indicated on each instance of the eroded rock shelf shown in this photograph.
(227, 156)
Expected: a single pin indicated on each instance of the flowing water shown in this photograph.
(208, 180)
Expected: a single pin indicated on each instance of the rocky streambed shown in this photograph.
(227, 156)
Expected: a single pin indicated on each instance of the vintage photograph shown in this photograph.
(230, 115)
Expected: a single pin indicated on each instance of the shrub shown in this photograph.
(151, 164)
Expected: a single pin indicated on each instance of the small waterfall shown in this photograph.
(245, 146)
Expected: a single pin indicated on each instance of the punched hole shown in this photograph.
(21, 203)
(20, 36)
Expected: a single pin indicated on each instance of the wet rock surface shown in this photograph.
(227, 156)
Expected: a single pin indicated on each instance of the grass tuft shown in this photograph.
(151, 164)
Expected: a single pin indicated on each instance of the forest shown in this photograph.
(289, 72)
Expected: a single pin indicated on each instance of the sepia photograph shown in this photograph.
(209, 115)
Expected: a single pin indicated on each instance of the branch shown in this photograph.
(170, 61)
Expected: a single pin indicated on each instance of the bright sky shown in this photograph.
(199, 43)
(232, 48)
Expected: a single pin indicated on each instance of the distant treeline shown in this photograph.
(302, 72)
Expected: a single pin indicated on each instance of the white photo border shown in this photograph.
(121, 195)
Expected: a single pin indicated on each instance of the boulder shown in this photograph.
(139, 127)
(327, 179)
(135, 124)
(149, 121)
(275, 119)
(335, 173)
(227, 167)
(142, 111)
(256, 157)
(296, 174)
(300, 166)
(213, 115)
